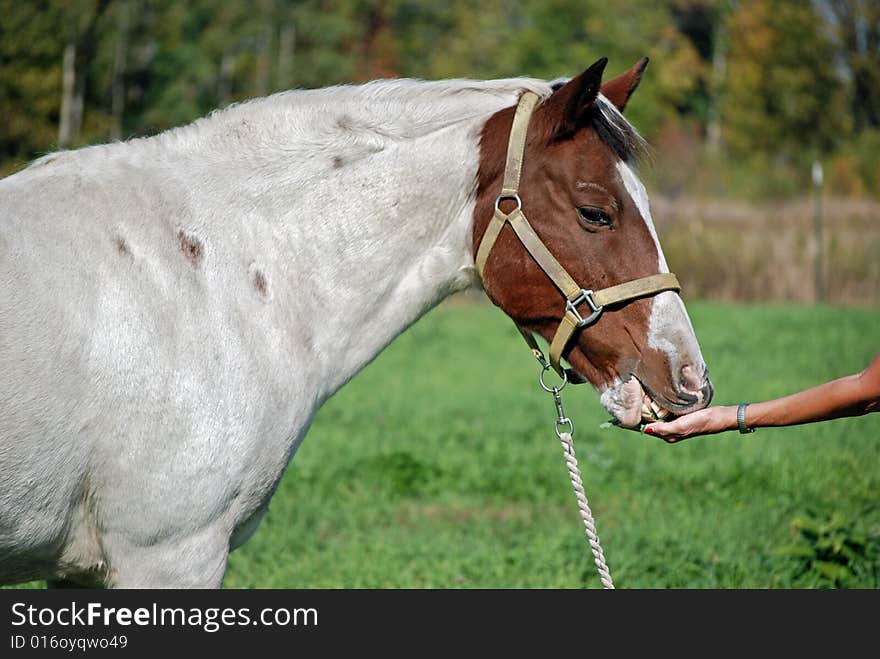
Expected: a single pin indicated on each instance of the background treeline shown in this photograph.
(767, 85)
(741, 97)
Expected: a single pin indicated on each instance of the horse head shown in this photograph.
(577, 185)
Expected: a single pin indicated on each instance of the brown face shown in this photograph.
(589, 208)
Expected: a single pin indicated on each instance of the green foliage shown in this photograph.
(30, 79)
(782, 95)
(853, 169)
(397, 474)
(791, 80)
(832, 550)
(553, 38)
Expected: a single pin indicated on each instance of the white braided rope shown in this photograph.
(590, 526)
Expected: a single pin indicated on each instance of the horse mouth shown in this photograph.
(652, 411)
(632, 405)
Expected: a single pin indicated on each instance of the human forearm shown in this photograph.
(831, 400)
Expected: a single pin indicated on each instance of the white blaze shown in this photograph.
(670, 329)
(640, 197)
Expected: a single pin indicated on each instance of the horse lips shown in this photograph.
(638, 406)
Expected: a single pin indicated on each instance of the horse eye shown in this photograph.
(595, 216)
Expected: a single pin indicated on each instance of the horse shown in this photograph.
(174, 309)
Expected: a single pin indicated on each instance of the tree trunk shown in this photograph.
(286, 45)
(77, 110)
(77, 54)
(716, 85)
(119, 65)
(263, 80)
(224, 80)
(68, 83)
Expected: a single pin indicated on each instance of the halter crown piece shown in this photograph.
(575, 295)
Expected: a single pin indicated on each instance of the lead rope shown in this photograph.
(564, 431)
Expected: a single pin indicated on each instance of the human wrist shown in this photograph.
(729, 417)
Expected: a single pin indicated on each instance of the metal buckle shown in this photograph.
(572, 305)
(514, 197)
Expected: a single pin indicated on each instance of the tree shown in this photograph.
(30, 79)
(857, 29)
(782, 93)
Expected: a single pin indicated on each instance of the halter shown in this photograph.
(575, 295)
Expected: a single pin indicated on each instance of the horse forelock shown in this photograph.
(614, 129)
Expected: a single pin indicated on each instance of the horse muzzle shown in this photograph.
(634, 403)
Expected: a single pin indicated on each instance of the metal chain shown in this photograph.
(564, 430)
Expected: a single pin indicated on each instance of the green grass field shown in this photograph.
(437, 467)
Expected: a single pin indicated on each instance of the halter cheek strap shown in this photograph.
(575, 295)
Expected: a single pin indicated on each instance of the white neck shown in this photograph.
(393, 239)
(368, 193)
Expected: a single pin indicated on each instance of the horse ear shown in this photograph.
(620, 88)
(568, 105)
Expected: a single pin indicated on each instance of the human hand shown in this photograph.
(707, 421)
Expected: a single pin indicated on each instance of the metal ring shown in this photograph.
(544, 386)
(514, 196)
(563, 422)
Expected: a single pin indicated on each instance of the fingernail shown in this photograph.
(650, 431)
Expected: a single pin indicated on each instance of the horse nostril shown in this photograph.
(690, 379)
(696, 382)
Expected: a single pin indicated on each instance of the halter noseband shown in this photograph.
(575, 295)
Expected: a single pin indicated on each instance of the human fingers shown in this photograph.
(668, 431)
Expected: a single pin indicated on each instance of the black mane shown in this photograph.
(616, 131)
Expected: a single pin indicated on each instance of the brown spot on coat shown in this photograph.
(260, 283)
(122, 246)
(191, 247)
(337, 162)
